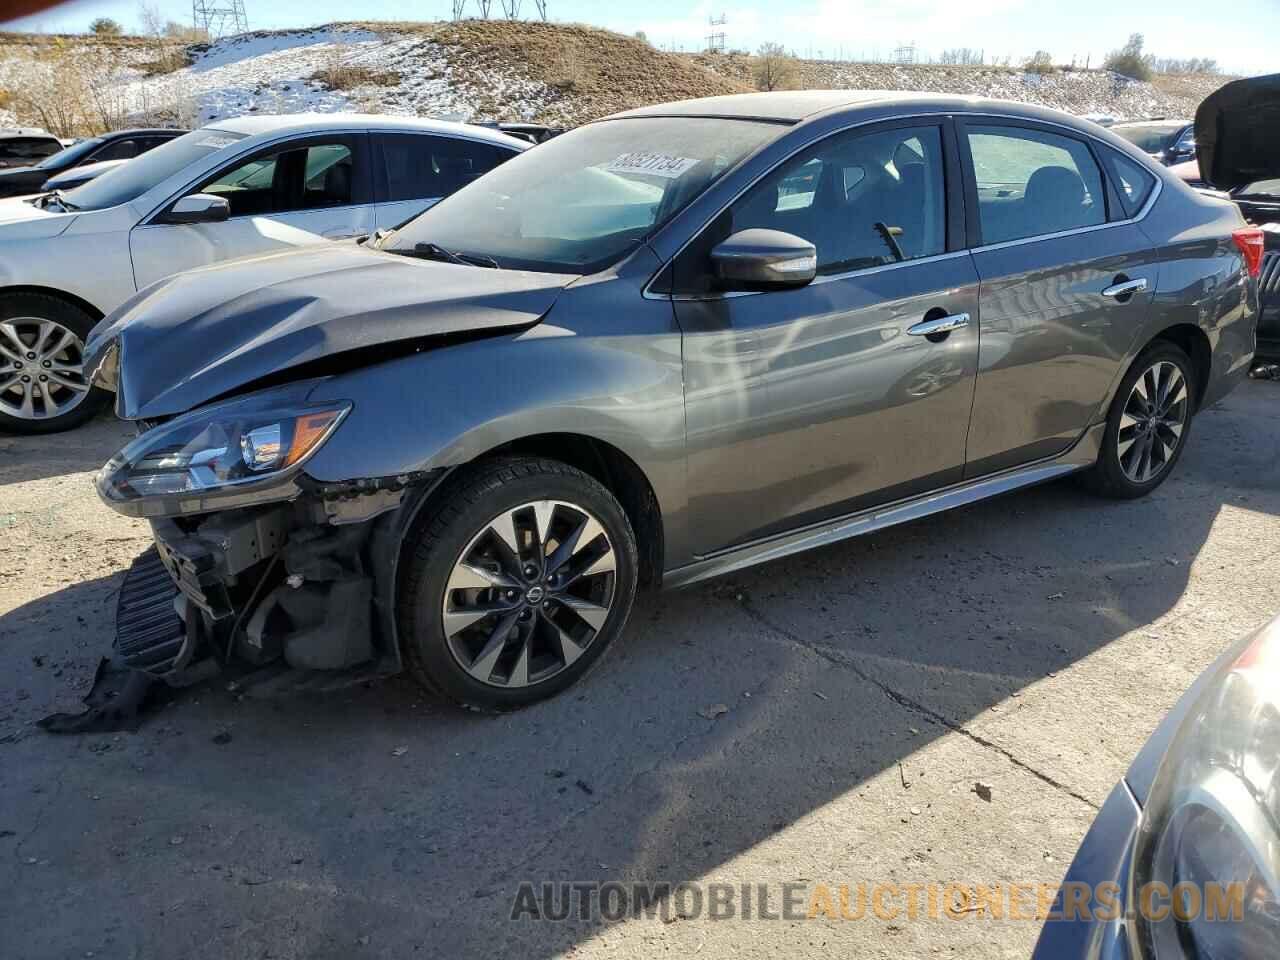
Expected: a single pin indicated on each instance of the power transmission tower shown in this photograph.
(715, 39)
(905, 53)
(219, 18)
(485, 6)
(511, 9)
(459, 9)
(542, 9)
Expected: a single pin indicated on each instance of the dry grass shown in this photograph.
(348, 76)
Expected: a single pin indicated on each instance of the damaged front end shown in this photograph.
(256, 569)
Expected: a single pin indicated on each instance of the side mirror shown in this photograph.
(199, 208)
(756, 259)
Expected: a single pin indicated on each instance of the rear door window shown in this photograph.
(116, 150)
(421, 167)
(1033, 183)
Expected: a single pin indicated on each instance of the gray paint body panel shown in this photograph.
(764, 423)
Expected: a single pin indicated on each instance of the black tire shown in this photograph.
(454, 519)
(1108, 478)
(41, 306)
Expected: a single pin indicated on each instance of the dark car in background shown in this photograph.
(1183, 860)
(24, 147)
(658, 348)
(120, 145)
(1166, 141)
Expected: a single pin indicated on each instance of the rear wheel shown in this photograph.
(1147, 425)
(42, 381)
(516, 585)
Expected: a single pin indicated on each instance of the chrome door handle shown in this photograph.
(939, 325)
(1129, 287)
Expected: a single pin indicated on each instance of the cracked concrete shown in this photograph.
(1031, 644)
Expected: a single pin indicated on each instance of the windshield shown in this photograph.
(580, 202)
(1149, 137)
(130, 180)
(1260, 188)
(73, 154)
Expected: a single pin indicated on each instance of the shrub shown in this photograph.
(1129, 60)
(1041, 62)
(775, 69)
(106, 27)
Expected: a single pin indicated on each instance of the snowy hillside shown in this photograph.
(469, 70)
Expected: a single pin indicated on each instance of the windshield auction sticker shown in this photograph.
(652, 164)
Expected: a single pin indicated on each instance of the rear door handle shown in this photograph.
(937, 325)
(1119, 291)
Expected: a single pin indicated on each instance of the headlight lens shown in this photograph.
(1206, 874)
(236, 449)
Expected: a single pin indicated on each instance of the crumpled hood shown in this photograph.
(1238, 133)
(204, 334)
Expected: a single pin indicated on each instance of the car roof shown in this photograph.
(301, 123)
(795, 106)
(1161, 122)
(141, 131)
(25, 133)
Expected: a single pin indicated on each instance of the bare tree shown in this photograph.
(775, 68)
(1129, 60)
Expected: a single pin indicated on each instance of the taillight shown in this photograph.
(1252, 245)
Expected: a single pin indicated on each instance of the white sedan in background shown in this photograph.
(237, 188)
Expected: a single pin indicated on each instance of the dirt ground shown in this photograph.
(819, 720)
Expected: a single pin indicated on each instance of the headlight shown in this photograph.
(1206, 874)
(239, 453)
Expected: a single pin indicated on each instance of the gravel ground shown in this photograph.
(821, 719)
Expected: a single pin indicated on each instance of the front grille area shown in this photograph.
(150, 636)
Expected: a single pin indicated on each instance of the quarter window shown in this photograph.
(424, 167)
(1132, 180)
(862, 199)
(1032, 183)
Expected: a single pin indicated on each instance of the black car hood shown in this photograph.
(208, 333)
(1238, 133)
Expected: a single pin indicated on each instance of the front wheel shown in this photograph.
(1148, 424)
(516, 584)
(42, 383)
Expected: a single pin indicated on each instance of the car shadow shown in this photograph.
(38, 456)
(378, 820)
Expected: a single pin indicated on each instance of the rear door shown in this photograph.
(318, 184)
(1067, 276)
(809, 403)
(415, 170)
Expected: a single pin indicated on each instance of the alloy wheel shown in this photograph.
(1153, 421)
(41, 369)
(529, 593)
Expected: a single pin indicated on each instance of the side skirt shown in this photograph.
(1083, 454)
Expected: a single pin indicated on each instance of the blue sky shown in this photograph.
(1242, 41)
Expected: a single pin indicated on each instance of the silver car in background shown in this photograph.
(658, 348)
(246, 186)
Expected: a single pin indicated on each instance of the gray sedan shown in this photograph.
(661, 347)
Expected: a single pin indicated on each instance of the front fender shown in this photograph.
(449, 406)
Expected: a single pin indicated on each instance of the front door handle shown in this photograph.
(1122, 291)
(939, 326)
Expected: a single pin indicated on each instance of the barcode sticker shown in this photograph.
(652, 164)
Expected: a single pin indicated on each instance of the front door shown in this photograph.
(289, 195)
(1067, 276)
(809, 403)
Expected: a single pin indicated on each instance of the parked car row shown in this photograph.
(237, 188)
(80, 162)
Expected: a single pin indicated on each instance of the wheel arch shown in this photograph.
(57, 294)
(1194, 342)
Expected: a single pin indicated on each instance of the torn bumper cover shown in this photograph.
(287, 597)
(307, 584)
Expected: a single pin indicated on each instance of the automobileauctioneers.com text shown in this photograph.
(610, 901)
